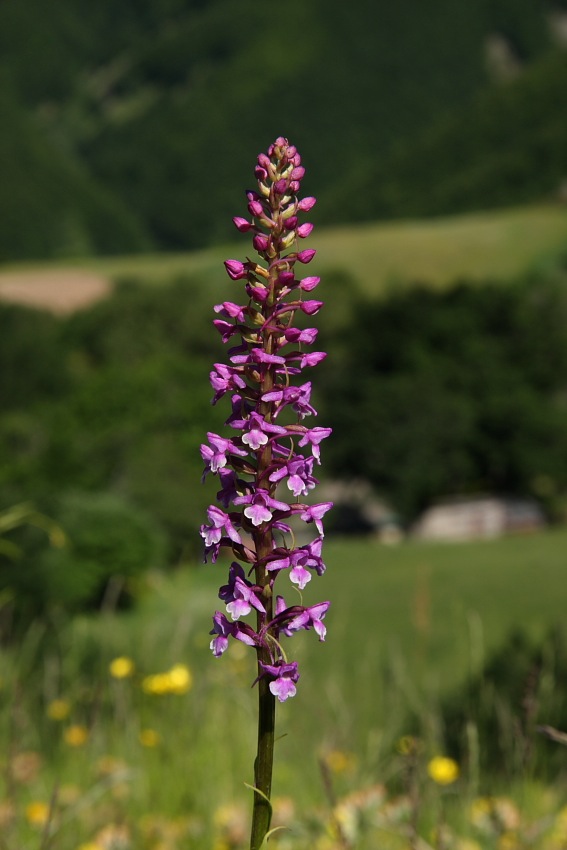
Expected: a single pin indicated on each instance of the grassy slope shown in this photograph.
(499, 245)
(407, 625)
(440, 606)
(420, 615)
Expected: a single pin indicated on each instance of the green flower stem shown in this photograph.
(262, 809)
(263, 764)
(263, 540)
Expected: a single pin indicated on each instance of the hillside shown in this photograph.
(496, 245)
(508, 146)
(151, 110)
(450, 388)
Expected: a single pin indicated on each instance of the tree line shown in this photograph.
(135, 125)
(429, 393)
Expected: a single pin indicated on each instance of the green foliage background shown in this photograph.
(460, 391)
(430, 393)
(130, 128)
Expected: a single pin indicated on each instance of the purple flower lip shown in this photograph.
(284, 678)
(261, 506)
(240, 595)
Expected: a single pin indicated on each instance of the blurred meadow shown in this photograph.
(122, 732)
(498, 244)
(434, 716)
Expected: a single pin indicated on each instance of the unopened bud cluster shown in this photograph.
(264, 478)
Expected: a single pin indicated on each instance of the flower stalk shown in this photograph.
(264, 476)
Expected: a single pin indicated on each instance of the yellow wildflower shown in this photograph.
(481, 806)
(76, 735)
(37, 813)
(560, 826)
(149, 738)
(158, 683)
(180, 679)
(122, 667)
(340, 761)
(58, 709)
(508, 841)
(443, 770)
(559, 832)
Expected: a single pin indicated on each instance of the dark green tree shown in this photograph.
(463, 391)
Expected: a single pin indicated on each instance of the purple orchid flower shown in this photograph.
(240, 595)
(230, 310)
(261, 506)
(222, 628)
(283, 679)
(311, 617)
(257, 431)
(298, 397)
(299, 474)
(225, 378)
(219, 521)
(263, 457)
(315, 513)
(216, 453)
(299, 561)
(290, 620)
(314, 436)
(307, 336)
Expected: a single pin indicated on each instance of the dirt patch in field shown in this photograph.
(60, 291)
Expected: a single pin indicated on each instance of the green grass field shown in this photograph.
(407, 624)
(496, 245)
